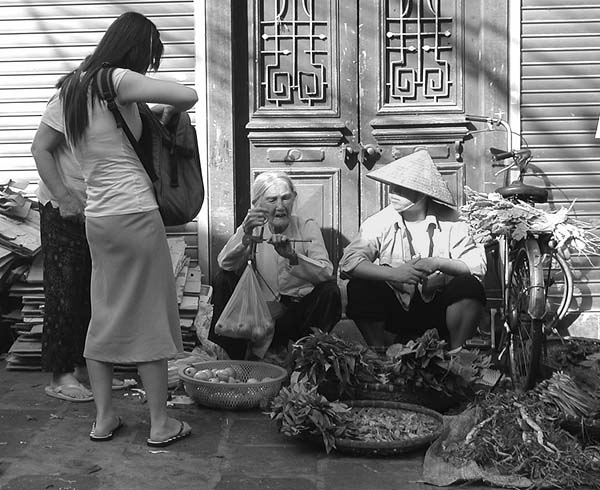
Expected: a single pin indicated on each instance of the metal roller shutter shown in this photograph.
(42, 40)
(560, 80)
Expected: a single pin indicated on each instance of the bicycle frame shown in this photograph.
(536, 305)
(524, 289)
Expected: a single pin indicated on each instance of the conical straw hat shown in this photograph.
(417, 172)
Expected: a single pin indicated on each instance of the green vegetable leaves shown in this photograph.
(322, 357)
(300, 411)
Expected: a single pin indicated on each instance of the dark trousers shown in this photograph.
(376, 301)
(321, 308)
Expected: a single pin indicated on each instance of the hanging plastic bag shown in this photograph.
(246, 314)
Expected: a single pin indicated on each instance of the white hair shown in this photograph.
(265, 180)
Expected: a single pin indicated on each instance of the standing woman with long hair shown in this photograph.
(134, 304)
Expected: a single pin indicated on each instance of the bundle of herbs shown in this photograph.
(300, 411)
(322, 358)
(520, 434)
(491, 215)
(425, 363)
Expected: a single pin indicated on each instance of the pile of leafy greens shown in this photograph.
(325, 358)
(300, 411)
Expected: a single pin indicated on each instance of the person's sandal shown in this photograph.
(184, 431)
(105, 437)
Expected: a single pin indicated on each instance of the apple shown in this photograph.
(222, 374)
(230, 371)
(203, 375)
(189, 371)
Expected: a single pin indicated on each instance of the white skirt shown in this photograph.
(135, 317)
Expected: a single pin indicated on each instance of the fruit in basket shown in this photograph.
(230, 371)
(213, 380)
(251, 380)
(204, 374)
(222, 374)
(189, 371)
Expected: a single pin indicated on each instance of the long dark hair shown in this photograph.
(132, 41)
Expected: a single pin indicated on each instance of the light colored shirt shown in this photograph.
(116, 180)
(383, 239)
(66, 165)
(314, 266)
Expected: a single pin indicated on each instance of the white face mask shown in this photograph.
(403, 199)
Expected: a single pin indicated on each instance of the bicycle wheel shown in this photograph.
(526, 307)
(558, 285)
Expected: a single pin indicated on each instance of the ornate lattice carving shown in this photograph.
(294, 54)
(420, 53)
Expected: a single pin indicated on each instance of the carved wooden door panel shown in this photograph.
(303, 106)
(411, 85)
(338, 88)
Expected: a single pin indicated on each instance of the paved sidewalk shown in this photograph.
(44, 445)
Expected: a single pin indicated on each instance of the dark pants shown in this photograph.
(67, 273)
(321, 308)
(375, 301)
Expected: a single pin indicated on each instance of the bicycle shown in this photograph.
(537, 283)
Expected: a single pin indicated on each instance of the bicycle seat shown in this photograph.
(524, 192)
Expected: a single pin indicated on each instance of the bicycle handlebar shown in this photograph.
(501, 154)
(498, 155)
(470, 117)
(494, 121)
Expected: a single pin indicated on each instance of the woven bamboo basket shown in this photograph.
(426, 397)
(353, 447)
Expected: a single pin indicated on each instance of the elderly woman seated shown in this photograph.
(290, 257)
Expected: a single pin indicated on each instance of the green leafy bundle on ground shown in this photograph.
(322, 357)
(520, 434)
(300, 411)
(425, 363)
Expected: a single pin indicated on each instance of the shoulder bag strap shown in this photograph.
(107, 89)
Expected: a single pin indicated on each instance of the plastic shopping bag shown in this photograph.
(246, 314)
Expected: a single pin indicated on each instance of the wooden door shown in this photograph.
(338, 88)
(303, 100)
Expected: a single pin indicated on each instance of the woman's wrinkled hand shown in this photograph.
(282, 246)
(254, 218)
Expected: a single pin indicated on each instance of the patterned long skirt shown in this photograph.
(67, 272)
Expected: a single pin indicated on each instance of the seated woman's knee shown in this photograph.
(328, 289)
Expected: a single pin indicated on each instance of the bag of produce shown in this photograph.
(246, 314)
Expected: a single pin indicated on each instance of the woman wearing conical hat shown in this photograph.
(413, 265)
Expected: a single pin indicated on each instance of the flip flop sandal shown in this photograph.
(126, 383)
(61, 393)
(108, 436)
(184, 431)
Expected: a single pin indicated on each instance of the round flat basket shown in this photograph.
(239, 395)
(426, 397)
(432, 425)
